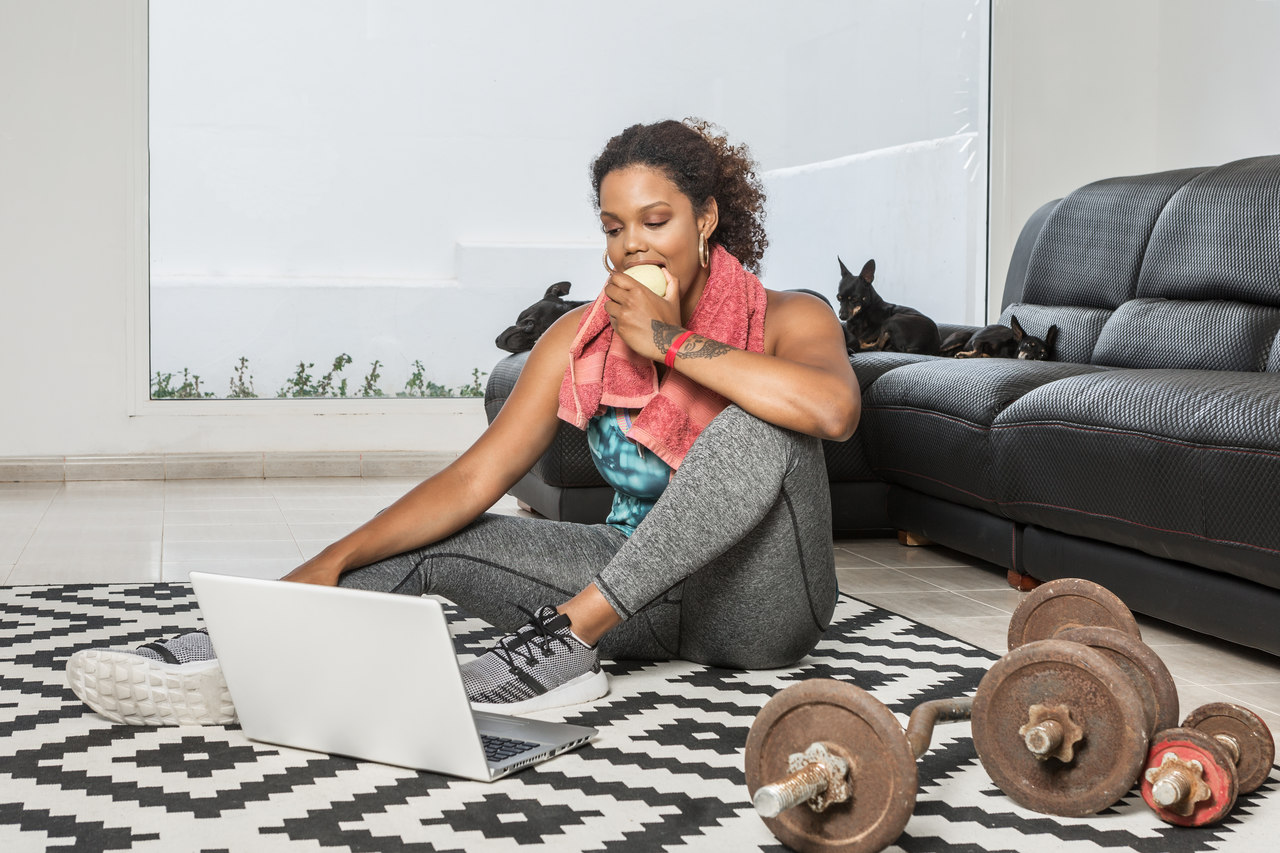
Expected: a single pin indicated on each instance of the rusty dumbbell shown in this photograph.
(1194, 772)
(1084, 694)
(829, 768)
(1064, 724)
(1064, 604)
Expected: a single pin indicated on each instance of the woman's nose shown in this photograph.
(634, 241)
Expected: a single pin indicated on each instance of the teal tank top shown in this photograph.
(638, 476)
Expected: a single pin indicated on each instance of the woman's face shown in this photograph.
(647, 220)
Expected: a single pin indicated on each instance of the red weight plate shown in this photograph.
(1218, 774)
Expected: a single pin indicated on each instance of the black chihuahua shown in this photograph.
(536, 319)
(996, 341)
(870, 323)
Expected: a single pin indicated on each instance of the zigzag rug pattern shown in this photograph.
(665, 772)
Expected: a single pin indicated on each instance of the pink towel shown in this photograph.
(604, 371)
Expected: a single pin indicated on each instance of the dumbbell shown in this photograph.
(824, 742)
(1194, 772)
(1083, 692)
(854, 788)
(1064, 604)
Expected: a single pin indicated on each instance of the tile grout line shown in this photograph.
(43, 515)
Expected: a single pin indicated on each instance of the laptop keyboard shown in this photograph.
(501, 748)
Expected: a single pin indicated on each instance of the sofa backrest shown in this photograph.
(1173, 269)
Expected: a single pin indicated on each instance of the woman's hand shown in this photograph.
(633, 308)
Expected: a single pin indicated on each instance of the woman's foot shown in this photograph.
(176, 682)
(542, 665)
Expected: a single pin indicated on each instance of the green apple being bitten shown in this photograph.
(651, 276)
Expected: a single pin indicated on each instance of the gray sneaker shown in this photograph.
(542, 665)
(175, 682)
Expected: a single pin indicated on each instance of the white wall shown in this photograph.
(1090, 89)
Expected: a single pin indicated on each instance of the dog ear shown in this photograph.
(560, 288)
(1018, 334)
(869, 271)
(844, 271)
(1051, 337)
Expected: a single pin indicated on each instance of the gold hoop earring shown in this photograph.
(605, 259)
(704, 251)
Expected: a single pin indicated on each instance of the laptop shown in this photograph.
(367, 675)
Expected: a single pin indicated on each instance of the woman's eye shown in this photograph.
(612, 232)
(657, 224)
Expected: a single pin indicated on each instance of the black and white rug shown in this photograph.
(665, 772)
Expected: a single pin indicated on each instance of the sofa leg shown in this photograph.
(1021, 582)
(906, 537)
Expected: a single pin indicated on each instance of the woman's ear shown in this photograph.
(710, 217)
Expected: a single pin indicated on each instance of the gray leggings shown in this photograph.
(732, 567)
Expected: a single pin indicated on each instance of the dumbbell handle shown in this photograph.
(1232, 745)
(928, 714)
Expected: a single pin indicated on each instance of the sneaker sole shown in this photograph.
(584, 688)
(127, 688)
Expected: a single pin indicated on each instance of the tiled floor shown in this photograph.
(156, 530)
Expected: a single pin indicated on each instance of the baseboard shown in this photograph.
(216, 466)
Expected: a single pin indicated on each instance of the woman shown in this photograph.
(703, 407)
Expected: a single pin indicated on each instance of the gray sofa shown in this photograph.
(1145, 455)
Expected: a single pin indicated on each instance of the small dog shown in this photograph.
(870, 323)
(996, 341)
(536, 319)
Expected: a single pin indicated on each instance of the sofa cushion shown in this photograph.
(847, 460)
(1182, 464)
(1078, 328)
(568, 461)
(1090, 249)
(1219, 237)
(1177, 333)
(926, 425)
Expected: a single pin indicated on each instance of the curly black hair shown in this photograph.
(698, 158)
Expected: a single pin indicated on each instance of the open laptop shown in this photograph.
(363, 674)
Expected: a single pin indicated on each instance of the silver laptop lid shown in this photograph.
(363, 674)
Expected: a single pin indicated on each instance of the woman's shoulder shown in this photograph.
(795, 312)
(803, 305)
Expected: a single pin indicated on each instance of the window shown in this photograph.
(392, 182)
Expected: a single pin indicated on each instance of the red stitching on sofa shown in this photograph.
(953, 418)
(1137, 524)
(1135, 434)
(941, 483)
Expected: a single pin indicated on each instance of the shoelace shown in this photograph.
(528, 636)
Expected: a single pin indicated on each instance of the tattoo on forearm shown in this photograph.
(696, 346)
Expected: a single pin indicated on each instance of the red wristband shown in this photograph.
(671, 353)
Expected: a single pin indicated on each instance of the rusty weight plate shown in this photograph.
(1102, 701)
(882, 766)
(1068, 603)
(1142, 665)
(1216, 777)
(1257, 746)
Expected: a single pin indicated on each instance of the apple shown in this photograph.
(651, 276)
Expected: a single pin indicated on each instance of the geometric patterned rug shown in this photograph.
(664, 773)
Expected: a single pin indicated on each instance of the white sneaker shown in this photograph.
(175, 682)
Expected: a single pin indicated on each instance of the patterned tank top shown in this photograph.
(637, 475)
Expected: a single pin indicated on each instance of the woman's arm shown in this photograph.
(452, 499)
(802, 380)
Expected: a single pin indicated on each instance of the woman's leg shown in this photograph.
(503, 568)
(742, 539)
